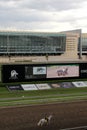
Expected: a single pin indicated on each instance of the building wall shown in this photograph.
(71, 45)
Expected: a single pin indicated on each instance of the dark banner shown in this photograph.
(20, 73)
(14, 87)
(12, 73)
(30, 72)
(83, 70)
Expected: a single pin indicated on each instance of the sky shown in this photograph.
(43, 15)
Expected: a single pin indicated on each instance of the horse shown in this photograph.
(14, 74)
(62, 72)
(44, 121)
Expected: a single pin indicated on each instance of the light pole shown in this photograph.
(80, 41)
(8, 47)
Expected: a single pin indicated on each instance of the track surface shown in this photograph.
(65, 115)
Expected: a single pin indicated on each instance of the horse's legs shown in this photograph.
(39, 123)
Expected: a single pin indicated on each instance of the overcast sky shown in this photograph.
(43, 15)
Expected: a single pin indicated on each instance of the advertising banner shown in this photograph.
(34, 72)
(67, 85)
(14, 87)
(62, 85)
(12, 73)
(43, 86)
(62, 71)
(20, 73)
(83, 70)
(29, 86)
(79, 84)
(85, 82)
(55, 85)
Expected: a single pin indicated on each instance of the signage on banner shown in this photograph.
(43, 86)
(39, 72)
(29, 86)
(14, 87)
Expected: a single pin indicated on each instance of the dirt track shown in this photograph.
(65, 115)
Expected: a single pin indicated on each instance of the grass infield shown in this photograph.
(15, 98)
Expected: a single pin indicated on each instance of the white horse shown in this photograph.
(44, 121)
(14, 74)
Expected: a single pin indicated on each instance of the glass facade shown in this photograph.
(84, 45)
(32, 43)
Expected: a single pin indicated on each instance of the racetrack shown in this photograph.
(65, 115)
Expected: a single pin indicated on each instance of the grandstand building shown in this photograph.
(69, 43)
(27, 43)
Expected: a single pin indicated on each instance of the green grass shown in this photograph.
(4, 93)
(9, 98)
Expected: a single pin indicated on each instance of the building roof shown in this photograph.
(25, 33)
